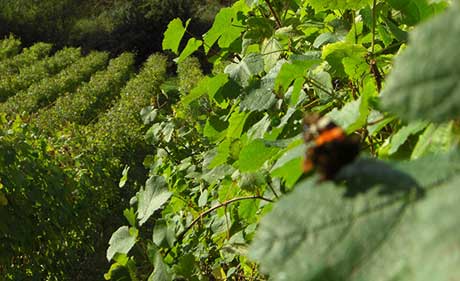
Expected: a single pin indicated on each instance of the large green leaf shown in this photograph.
(254, 155)
(122, 240)
(236, 124)
(160, 272)
(352, 54)
(381, 233)
(248, 67)
(151, 198)
(424, 81)
(173, 35)
(227, 27)
(208, 85)
(258, 100)
(435, 139)
(296, 69)
(271, 50)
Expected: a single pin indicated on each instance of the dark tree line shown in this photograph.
(110, 25)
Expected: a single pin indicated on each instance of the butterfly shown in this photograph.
(332, 148)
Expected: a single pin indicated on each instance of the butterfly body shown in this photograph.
(332, 147)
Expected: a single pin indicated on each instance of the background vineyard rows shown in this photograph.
(190, 169)
(61, 156)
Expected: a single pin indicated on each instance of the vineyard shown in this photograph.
(201, 163)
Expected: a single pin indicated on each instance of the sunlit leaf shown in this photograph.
(173, 35)
(121, 241)
(124, 177)
(435, 139)
(258, 100)
(334, 54)
(226, 28)
(190, 48)
(254, 155)
(152, 198)
(248, 67)
(208, 85)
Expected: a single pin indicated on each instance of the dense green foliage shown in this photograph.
(231, 147)
(198, 176)
(9, 47)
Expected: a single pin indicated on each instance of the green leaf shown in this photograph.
(208, 85)
(355, 67)
(320, 5)
(130, 216)
(252, 182)
(236, 124)
(214, 128)
(271, 51)
(315, 233)
(186, 266)
(173, 35)
(397, 32)
(289, 165)
(254, 155)
(122, 240)
(247, 68)
(124, 177)
(423, 83)
(297, 93)
(325, 38)
(295, 69)
(352, 115)
(247, 210)
(226, 28)
(377, 122)
(151, 198)
(221, 155)
(335, 53)
(203, 199)
(400, 137)
(124, 269)
(190, 48)
(324, 80)
(413, 11)
(258, 100)
(435, 139)
(148, 114)
(258, 130)
(160, 272)
(252, 3)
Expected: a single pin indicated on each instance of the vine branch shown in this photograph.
(210, 210)
(277, 19)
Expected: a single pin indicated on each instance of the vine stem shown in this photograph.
(278, 22)
(374, 5)
(210, 210)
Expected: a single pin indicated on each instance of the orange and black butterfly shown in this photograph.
(332, 148)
